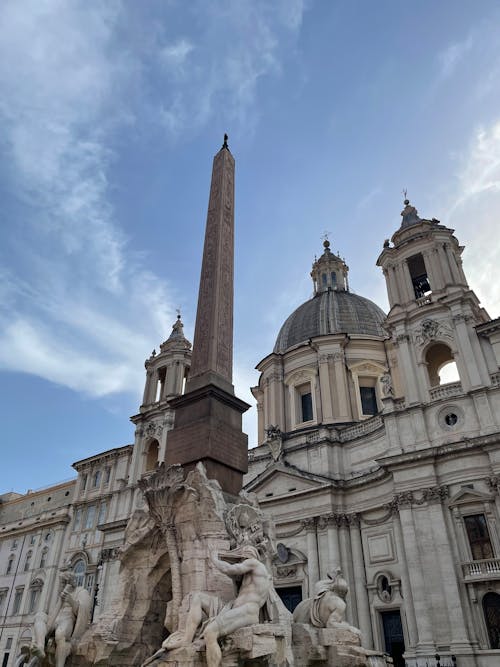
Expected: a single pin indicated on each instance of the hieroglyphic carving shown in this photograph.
(213, 339)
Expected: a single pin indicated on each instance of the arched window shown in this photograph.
(43, 557)
(79, 569)
(441, 366)
(334, 278)
(152, 456)
(27, 561)
(491, 609)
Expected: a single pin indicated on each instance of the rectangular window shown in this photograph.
(32, 540)
(89, 583)
(84, 482)
(102, 513)
(10, 565)
(33, 601)
(479, 537)
(368, 400)
(96, 480)
(17, 600)
(3, 598)
(107, 474)
(306, 406)
(8, 643)
(90, 518)
(78, 519)
(14, 544)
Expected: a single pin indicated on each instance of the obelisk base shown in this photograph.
(208, 429)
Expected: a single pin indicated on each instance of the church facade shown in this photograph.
(378, 453)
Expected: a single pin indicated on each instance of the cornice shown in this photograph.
(466, 445)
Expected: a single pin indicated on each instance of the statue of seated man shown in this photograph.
(224, 618)
(67, 622)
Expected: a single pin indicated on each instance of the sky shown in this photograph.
(111, 113)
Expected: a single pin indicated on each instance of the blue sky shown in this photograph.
(111, 113)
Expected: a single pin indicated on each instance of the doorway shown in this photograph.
(393, 636)
(291, 596)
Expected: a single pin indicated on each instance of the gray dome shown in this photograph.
(331, 312)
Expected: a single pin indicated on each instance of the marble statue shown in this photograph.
(209, 618)
(327, 608)
(66, 624)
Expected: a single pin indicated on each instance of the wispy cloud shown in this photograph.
(76, 308)
(450, 58)
(238, 45)
(475, 210)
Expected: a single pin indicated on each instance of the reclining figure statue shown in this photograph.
(210, 618)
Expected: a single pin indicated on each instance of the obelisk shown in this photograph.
(208, 416)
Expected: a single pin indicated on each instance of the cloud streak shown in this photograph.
(77, 306)
(475, 210)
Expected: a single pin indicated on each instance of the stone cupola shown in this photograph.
(329, 272)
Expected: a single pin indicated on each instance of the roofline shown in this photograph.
(109, 452)
(38, 492)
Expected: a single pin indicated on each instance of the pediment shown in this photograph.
(280, 479)
(466, 496)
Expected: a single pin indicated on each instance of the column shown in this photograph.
(341, 384)
(455, 274)
(147, 388)
(346, 558)
(443, 257)
(411, 390)
(360, 583)
(438, 263)
(405, 580)
(326, 394)
(451, 592)
(407, 282)
(431, 270)
(332, 536)
(421, 604)
(260, 424)
(312, 553)
(466, 351)
(391, 292)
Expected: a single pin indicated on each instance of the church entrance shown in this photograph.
(291, 596)
(393, 636)
(491, 607)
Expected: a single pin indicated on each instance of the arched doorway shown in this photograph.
(491, 609)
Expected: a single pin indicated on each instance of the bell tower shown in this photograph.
(433, 312)
(166, 376)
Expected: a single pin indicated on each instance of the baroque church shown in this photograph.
(378, 453)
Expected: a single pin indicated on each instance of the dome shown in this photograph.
(331, 312)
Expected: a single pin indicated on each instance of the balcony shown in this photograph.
(445, 390)
(423, 300)
(481, 569)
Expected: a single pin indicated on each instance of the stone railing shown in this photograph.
(495, 379)
(446, 390)
(486, 569)
(364, 428)
(424, 301)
